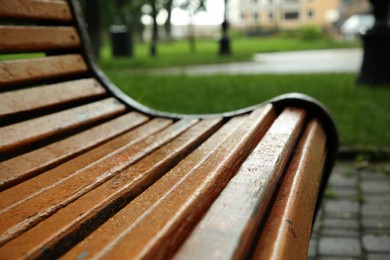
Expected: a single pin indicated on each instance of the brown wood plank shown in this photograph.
(286, 234)
(43, 97)
(230, 225)
(37, 38)
(23, 191)
(69, 220)
(56, 10)
(30, 131)
(27, 165)
(32, 70)
(28, 213)
(162, 215)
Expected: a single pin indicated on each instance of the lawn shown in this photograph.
(361, 113)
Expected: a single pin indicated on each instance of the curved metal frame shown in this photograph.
(312, 106)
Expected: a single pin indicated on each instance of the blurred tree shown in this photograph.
(192, 7)
(153, 42)
(168, 25)
(92, 17)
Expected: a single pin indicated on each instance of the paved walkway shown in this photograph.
(316, 61)
(354, 221)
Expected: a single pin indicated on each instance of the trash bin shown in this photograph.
(121, 41)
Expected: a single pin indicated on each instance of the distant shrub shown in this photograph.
(309, 33)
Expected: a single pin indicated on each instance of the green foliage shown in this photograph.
(310, 33)
(307, 33)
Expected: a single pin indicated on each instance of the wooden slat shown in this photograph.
(230, 225)
(56, 10)
(27, 100)
(27, 165)
(286, 234)
(37, 38)
(32, 70)
(91, 207)
(31, 99)
(30, 131)
(163, 214)
(28, 213)
(126, 142)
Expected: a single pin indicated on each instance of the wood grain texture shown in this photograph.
(56, 10)
(40, 38)
(33, 130)
(287, 232)
(28, 189)
(70, 221)
(31, 99)
(230, 225)
(33, 70)
(28, 213)
(163, 214)
(27, 165)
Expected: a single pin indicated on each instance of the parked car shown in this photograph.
(357, 25)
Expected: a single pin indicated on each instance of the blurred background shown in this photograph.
(211, 56)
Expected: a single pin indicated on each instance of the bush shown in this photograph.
(309, 33)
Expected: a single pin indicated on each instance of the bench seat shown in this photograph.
(87, 172)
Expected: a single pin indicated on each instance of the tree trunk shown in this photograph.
(153, 44)
(92, 16)
(168, 24)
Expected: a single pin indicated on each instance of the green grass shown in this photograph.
(361, 113)
(178, 53)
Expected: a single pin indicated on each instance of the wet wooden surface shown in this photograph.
(33, 130)
(56, 10)
(122, 187)
(287, 232)
(40, 38)
(228, 229)
(164, 214)
(33, 70)
(25, 166)
(46, 97)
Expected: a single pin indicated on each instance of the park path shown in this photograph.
(312, 61)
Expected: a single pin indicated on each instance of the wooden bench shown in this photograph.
(86, 171)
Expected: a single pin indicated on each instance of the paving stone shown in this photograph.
(338, 258)
(376, 198)
(378, 257)
(345, 192)
(376, 232)
(341, 223)
(375, 186)
(375, 211)
(340, 180)
(340, 233)
(378, 244)
(340, 247)
(366, 175)
(376, 223)
(341, 209)
(313, 248)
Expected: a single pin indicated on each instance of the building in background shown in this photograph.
(257, 15)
